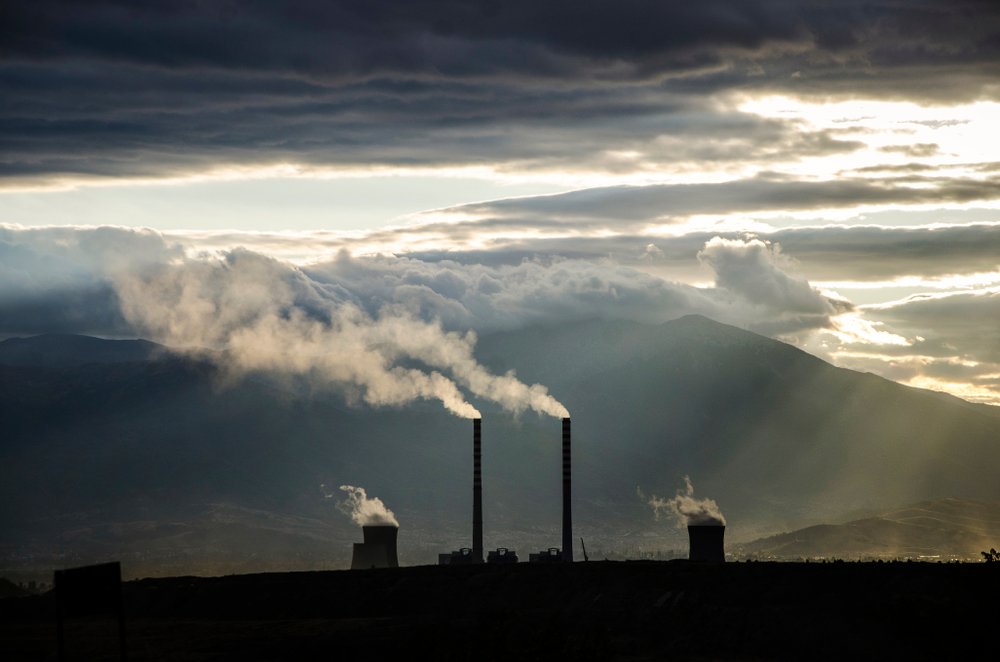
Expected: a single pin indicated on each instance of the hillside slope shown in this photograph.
(942, 528)
(765, 429)
(61, 350)
(771, 433)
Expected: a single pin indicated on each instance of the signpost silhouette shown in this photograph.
(93, 589)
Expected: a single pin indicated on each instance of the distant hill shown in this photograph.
(942, 528)
(60, 350)
(100, 434)
(9, 589)
(765, 429)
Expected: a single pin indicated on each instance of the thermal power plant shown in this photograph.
(474, 554)
(567, 522)
(707, 543)
(378, 550)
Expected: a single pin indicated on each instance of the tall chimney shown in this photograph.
(567, 541)
(477, 491)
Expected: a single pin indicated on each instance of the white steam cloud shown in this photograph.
(365, 511)
(272, 317)
(688, 510)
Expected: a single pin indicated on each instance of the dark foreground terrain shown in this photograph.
(584, 611)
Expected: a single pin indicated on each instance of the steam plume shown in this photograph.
(272, 317)
(688, 510)
(365, 511)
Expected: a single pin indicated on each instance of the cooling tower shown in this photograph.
(567, 532)
(383, 535)
(368, 556)
(707, 543)
(477, 491)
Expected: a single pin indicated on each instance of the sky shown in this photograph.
(273, 173)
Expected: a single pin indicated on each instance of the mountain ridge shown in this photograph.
(61, 350)
(772, 434)
(930, 529)
(50, 350)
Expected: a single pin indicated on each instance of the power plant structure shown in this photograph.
(378, 550)
(707, 543)
(474, 554)
(550, 555)
(477, 490)
(502, 555)
(567, 522)
(460, 557)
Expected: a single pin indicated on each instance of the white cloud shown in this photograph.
(143, 283)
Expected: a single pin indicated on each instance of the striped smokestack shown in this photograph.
(477, 491)
(567, 537)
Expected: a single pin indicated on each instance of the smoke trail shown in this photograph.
(272, 317)
(688, 510)
(452, 351)
(365, 511)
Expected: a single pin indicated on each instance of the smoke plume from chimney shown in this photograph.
(688, 510)
(365, 511)
(272, 318)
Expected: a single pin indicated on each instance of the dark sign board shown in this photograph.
(93, 589)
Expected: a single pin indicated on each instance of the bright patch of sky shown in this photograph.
(293, 204)
(896, 133)
(956, 141)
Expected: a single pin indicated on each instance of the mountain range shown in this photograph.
(114, 445)
(941, 529)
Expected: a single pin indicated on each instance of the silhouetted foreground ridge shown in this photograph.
(581, 611)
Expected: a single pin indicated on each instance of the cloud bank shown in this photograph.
(385, 329)
(105, 89)
(357, 324)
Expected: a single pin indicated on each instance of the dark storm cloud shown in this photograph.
(763, 193)
(128, 89)
(441, 38)
(150, 124)
(965, 322)
(868, 253)
(359, 38)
